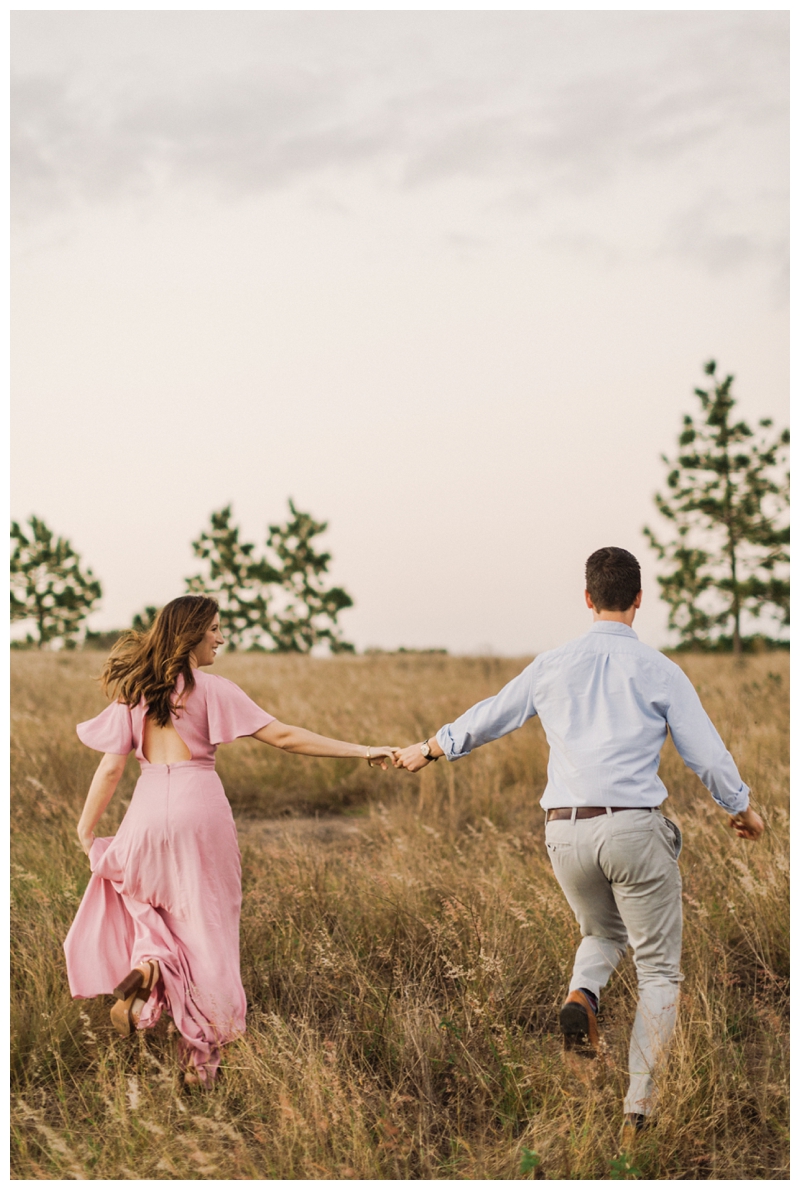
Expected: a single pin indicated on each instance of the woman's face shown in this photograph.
(206, 651)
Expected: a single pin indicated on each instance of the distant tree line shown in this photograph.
(275, 600)
(724, 558)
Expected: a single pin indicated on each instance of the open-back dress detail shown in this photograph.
(168, 885)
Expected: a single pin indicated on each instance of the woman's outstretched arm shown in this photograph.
(101, 791)
(308, 743)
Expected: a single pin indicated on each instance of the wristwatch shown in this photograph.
(425, 749)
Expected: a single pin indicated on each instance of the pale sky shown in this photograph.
(448, 279)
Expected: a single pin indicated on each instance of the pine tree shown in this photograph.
(48, 585)
(276, 601)
(309, 611)
(236, 579)
(727, 500)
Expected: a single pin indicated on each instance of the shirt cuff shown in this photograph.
(741, 801)
(444, 738)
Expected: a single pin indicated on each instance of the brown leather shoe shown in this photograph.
(579, 1026)
(132, 994)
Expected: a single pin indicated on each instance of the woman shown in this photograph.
(159, 922)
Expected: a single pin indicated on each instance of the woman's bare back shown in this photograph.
(162, 745)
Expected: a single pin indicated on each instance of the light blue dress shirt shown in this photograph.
(605, 701)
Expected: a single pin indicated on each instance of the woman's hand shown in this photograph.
(86, 838)
(379, 756)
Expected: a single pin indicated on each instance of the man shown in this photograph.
(606, 701)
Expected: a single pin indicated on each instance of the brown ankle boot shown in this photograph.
(579, 1025)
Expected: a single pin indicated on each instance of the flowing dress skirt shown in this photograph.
(168, 886)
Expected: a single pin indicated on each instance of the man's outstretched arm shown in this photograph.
(485, 721)
(701, 748)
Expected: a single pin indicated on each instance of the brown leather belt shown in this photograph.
(587, 811)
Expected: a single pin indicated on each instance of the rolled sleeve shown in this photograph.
(701, 748)
(489, 720)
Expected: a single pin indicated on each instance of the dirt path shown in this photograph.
(279, 833)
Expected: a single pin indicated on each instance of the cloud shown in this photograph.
(538, 106)
(82, 131)
(693, 235)
(706, 235)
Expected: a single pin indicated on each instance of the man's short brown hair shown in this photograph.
(613, 579)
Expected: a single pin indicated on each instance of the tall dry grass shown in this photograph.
(403, 977)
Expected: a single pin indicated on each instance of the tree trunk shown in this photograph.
(729, 522)
(735, 608)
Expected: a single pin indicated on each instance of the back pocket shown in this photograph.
(632, 822)
(558, 848)
(559, 835)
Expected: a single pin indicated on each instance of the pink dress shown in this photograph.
(168, 885)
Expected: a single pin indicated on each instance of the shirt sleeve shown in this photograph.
(110, 731)
(701, 747)
(490, 719)
(231, 714)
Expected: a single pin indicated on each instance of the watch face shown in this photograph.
(425, 749)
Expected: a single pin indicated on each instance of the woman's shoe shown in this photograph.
(132, 995)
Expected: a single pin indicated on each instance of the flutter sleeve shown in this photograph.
(231, 714)
(110, 731)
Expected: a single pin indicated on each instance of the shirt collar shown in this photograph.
(614, 627)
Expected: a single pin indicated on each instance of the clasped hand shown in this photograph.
(409, 758)
(378, 756)
(402, 758)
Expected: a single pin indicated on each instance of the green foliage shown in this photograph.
(276, 602)
(145, 619)
(623, 1168)
(48, 585)
(308, 613)
(726, 504)
(237, 580)
(528, 1161)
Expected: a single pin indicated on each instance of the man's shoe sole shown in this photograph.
(579, 1025)
(574, 1020)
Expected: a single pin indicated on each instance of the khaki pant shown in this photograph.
(619, 873)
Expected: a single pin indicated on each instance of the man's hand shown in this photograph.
(747, 824)
(410, 758)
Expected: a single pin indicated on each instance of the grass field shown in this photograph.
(404, 974)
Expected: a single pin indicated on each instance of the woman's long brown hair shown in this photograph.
(146, 665)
